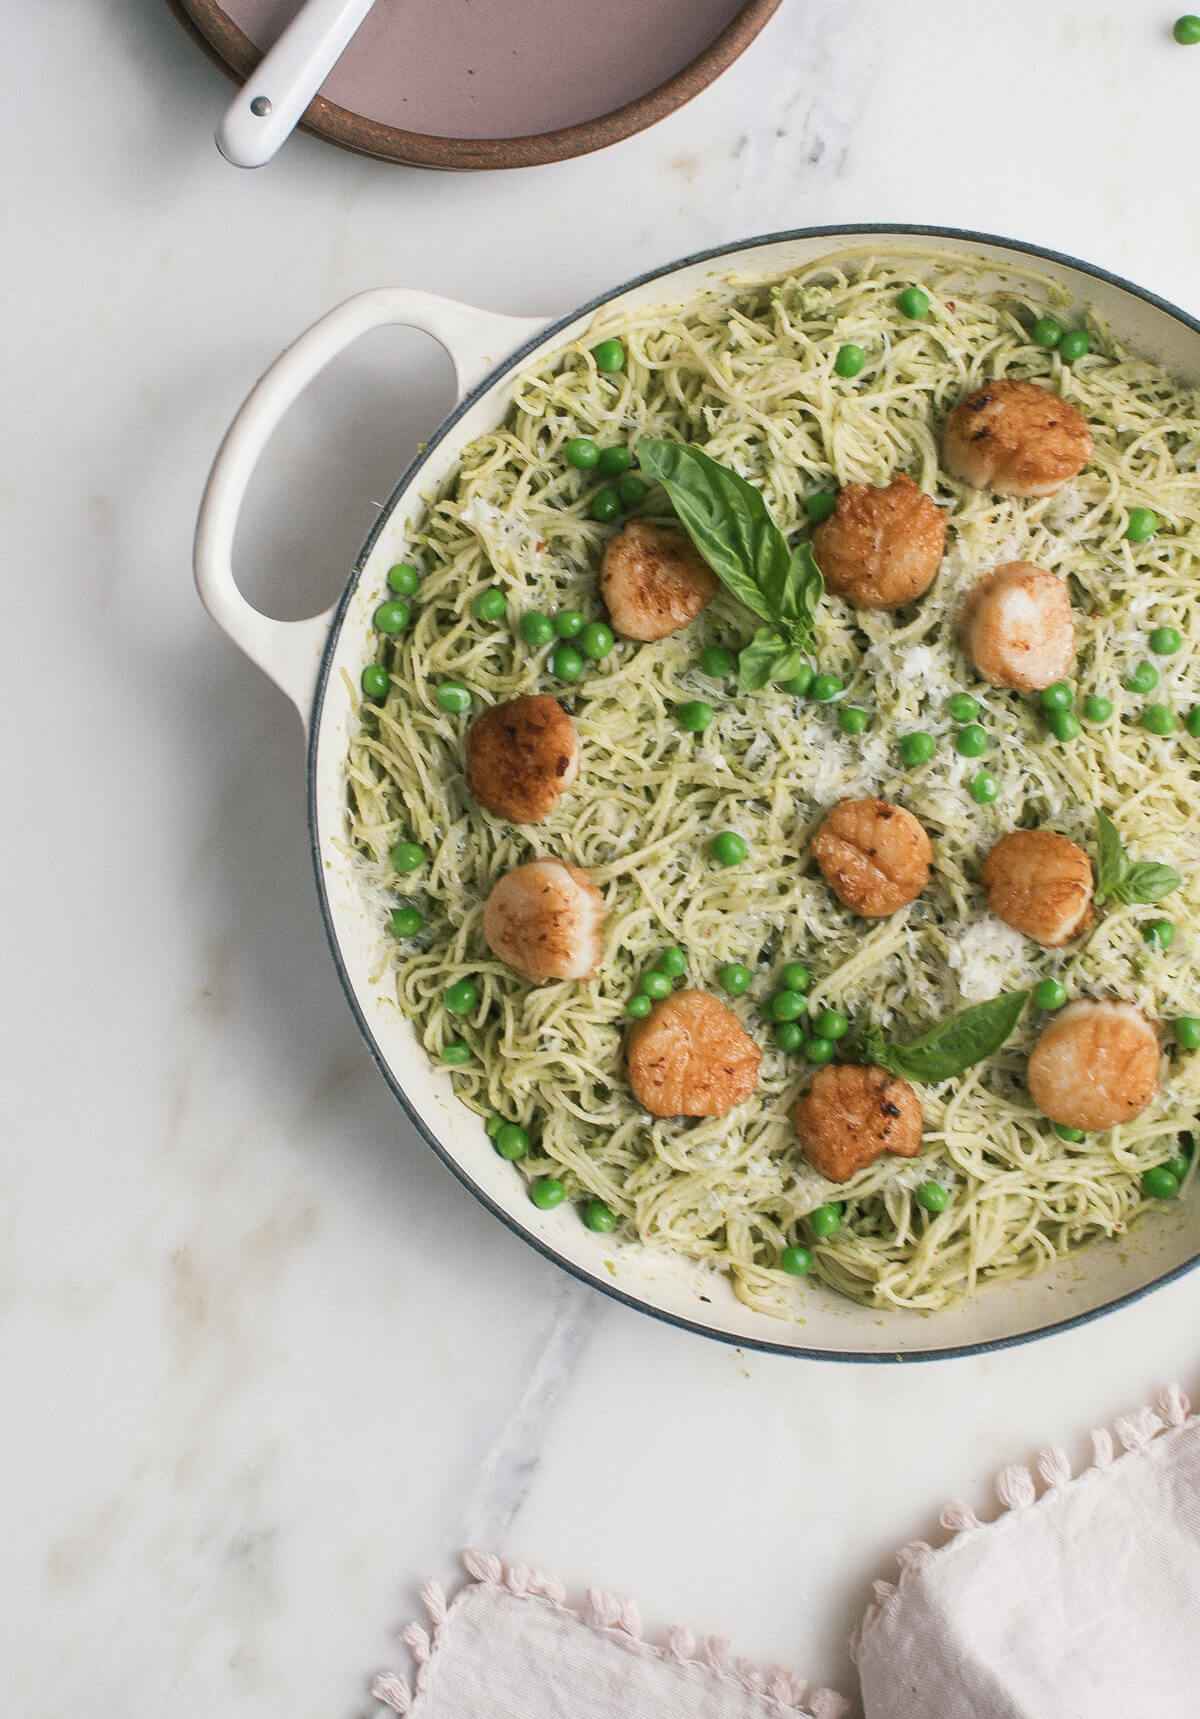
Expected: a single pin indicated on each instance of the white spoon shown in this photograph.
(265, 110)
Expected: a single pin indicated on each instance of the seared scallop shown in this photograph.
(1040, 884)
(851, 1115)
(522, 756)
(653, 581)
(1095, 1065)
(881, 546)
(1016, 438)
(874, 856)
(691, 1056)
(1017, 628)
(545, 920)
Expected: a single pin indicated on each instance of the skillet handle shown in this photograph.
(289, 652)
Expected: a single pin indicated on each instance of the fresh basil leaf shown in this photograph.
(726, 518)
(875, 1049)
(795, 596)
(954, 1046)
(768, 656)
(1145, 882)
(1110, 857)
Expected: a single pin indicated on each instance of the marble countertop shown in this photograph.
(266, 1366)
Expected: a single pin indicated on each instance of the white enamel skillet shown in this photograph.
(317, 662)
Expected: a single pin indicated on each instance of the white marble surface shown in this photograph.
(265, 1365)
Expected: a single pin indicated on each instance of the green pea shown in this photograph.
(408, 856)
(984, 788)
(461, 997)
(1178, 1166)
(493, 1125)
(609, 355)
(375, 681)
(1193, 722)
(826, 1220)
(800, 684)
(826, 687)
(1187, 30)
(547, 1192)
(511, 1141)
(1047, 331)
(1056, 697)
(915, 749)
(606, 505)
(1160, 1184)
(820, 505)
(715, 662)
(391, 617)
(849, 361)
(582, 453)
(406, 921)
(932, 1197)
(453, 696)
(1143, 523)
(673, 961)
(785, 1006)
(734, 978)
(403, 579)
(566, 663)
(913, 303)
(1097, 709)
(599, 1217)
(1160, 935)
(851, 720)
(962, 707)
(1073, 1135)
(1050, 994)
(1158, 719)
(596, 641)
(1187, 1031)
(612, 462)
(1063, 725)
(656, 985)
(728, 848)
(971, 741)
(819, 1050)
(1074, 343)
(796, 1261)
(831, 1024)
(694, 717)
(489, 605)
(639, 1007)
(789, 1035)
(536, 629)
(568, 622)
(795, 977)
(632, 491)
(454, 1055)
(1165, 641)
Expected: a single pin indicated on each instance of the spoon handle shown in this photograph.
(266, 109)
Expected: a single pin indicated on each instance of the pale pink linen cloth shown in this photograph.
(1080, 1601)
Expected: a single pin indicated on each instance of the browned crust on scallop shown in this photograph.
(691, 1056)
(876, 857)
(852, 1114)
(536, 925)
(1095, 1065)
(1012, 659)
(653, 581)
(522, 756)
(881, 546)
(1040, 883)
(1016, 438)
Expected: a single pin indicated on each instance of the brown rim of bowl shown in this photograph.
(236, 54)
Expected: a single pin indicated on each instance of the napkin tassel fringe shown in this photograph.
(607, 1614)
(1017, 1490)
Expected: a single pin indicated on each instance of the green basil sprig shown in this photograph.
(954, 1045)
(1135, 882)
(728, 521)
